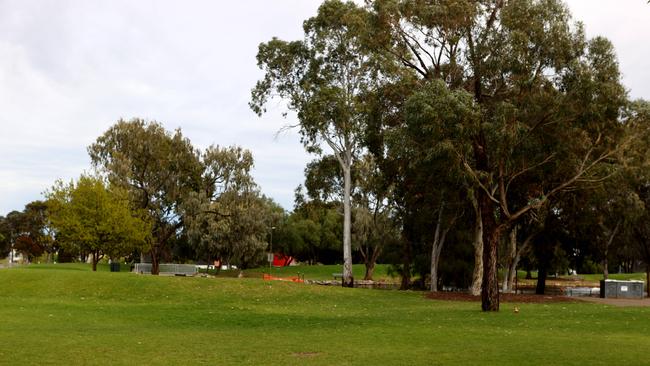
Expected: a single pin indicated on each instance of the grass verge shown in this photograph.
(80, 317)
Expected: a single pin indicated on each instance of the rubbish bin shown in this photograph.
(621, 289)
(115, 266)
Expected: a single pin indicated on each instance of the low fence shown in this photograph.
(167, 269)
(581, 291)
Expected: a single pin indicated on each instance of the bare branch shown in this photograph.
(417, 55)
(472, 173)
(525, 170)
(433, 60)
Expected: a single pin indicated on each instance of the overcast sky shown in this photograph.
(70, 69)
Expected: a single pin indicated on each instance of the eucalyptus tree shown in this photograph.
(641, 232)
(318, 225)
(227, 218)
(434, 168)
(637, 164)
(607, 214)
(374, 223)
(547, 100)
(157, 167)
(519, 244)
(324, 78)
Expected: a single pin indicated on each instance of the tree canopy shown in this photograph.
(92, 218)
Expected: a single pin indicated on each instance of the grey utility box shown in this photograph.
(621, 289)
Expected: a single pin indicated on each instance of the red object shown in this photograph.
(281, 260)
(268, 277)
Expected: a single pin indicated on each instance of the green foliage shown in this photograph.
(156, 167)
(5, 237)
(28, 231)
(543, 117)
(228, 219)
(325, 79)
(91, 218)
(312, 233)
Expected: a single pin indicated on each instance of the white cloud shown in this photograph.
(70, 68)
(626, 23)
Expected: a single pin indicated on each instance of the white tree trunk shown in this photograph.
(477, 277)
(435, 251)
(509, 271)
(348, 280)
(607, 246)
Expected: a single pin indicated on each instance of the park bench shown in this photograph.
(337, 276)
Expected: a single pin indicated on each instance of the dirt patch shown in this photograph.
(520, 298)
(618, 302)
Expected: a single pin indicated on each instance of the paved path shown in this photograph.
(617, 302)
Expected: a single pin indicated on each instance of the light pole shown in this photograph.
(271, 256)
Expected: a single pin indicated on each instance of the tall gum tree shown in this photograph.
(549, 100)
(638, 171)
(324, 79)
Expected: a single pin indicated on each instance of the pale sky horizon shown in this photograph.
(69, 69)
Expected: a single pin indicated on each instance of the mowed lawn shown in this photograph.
(319, 272)
(50, 315)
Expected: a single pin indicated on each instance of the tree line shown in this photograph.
(454, 139)
(496, 123)
(154, 197)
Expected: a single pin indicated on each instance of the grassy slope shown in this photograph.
(77, 317)
(323, 272)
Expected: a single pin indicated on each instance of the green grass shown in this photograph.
(52, 317)
(101, 267)
(322, 272)
(614, 276)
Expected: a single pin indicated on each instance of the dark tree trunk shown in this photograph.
(155, 268)
(369, 253)
(544, 251)
(491, 237)
(95, 259)
(490, 288)
(370, 269)
(541, 279)
(406, 267)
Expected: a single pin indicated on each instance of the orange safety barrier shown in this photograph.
(268, 277)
